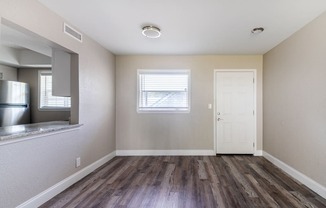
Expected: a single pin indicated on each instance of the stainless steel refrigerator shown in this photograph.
(14, 103)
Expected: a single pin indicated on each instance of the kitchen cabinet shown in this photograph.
(61, 68)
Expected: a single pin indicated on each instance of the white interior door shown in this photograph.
(234, 109)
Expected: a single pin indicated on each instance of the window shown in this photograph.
(163, 90)
(46, 100)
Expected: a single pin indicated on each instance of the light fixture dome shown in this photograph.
(151, 32)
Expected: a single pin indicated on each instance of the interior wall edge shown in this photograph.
(313, 185)
(152, 131)
(49, 193)
(172, 153)
(294, 100)
(258, 153)
(165, 152)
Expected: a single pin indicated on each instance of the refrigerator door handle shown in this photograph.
(13, 105)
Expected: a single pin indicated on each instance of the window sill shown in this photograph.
(163, 111)
(54, 109)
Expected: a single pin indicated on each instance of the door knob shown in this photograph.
(218, 119)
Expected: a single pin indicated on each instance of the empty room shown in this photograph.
(158, 103)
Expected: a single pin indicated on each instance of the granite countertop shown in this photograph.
(19, 131)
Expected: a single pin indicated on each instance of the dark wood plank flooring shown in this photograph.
(190, 181)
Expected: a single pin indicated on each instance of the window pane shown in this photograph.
(163, 90)
(165, 99)
(47, 100)
(165, 82)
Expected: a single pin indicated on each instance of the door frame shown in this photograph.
(255, 104)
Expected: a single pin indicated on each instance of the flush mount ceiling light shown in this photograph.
(257, 30)
(151, 32)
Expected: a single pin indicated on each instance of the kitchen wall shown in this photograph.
(30, 76)
(29, 167)
(8, 73)
(178, 131)
(295, 101)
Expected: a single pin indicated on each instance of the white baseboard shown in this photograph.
(313, 185)
(49, 193)
(258, 153)
(164, 152)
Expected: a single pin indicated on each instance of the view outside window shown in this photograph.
(166, 91)
(46, 100)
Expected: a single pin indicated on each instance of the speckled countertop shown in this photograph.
(19, 131)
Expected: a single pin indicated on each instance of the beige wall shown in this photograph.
(30, 167)
(8, 73)
(295, 101)
(183, 131)
(30, 76)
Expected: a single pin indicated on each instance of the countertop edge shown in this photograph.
(33, 135)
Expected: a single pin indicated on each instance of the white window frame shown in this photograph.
(163, 71)
(47, 108)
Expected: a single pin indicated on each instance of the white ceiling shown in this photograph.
(188, 26)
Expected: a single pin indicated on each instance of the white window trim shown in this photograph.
(162, 71)
(39, 95)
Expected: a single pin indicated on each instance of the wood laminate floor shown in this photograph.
(190, 182)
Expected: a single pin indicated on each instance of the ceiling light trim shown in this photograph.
(151, 31)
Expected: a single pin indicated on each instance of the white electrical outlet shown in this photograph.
(1, 75)
(77, 162)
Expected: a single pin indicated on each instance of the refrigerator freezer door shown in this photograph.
(14, 93)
